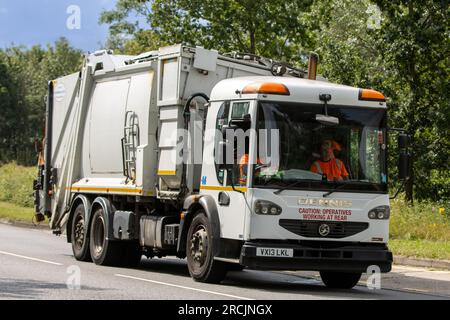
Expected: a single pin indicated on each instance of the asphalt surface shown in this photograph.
(34, 264)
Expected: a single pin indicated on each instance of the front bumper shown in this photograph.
(346, 258)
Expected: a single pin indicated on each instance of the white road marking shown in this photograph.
(183, 287)
(30, 258)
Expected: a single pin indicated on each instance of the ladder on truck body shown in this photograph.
(130, 142)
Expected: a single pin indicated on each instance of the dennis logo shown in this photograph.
(325, 203)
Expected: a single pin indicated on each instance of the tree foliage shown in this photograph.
(415, 50)
(272, 28)
(24, 74)
(406, 56)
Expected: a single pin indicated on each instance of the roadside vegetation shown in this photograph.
(16, 199)
(420, 230)
(14, 213)
(16, 184)
(421, 248)
(421, 221)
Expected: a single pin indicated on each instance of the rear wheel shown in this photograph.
(199, 250)
(80, 236)
(103, 252)
(340, 280)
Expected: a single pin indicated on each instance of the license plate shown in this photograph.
(274, 252)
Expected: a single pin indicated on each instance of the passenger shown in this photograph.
(328, 165)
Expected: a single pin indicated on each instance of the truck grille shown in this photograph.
(310, 229)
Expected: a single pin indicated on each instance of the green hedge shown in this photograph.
(16, 184)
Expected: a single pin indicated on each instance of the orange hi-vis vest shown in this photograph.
(243, 168)
(333, 169)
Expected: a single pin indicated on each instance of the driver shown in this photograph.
(243, 169)
(329, 165)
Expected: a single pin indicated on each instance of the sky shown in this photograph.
(31, 22)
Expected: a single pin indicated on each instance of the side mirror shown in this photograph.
(403, 140)
(404, 165)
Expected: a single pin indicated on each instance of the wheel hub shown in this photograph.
(79, 233)
(99, 235)
(199, 246)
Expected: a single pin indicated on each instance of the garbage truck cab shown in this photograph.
(277, 208)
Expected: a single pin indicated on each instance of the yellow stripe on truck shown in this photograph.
(219, 188)
(167, 173)
(110, 190)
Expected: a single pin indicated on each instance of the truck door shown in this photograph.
(232, 204)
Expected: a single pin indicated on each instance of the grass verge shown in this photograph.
(421, 221)
(421, 249)
(16, 184)
(12, 212)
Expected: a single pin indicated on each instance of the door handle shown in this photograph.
(224, 199)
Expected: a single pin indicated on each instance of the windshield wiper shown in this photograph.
(293, 185)
(334, 190)
(340, 186)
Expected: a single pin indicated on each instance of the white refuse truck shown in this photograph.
(229, 160)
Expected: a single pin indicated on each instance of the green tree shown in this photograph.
(10, 115)
(406, 56)
(415, 47)
(271, 28)
(29, 71)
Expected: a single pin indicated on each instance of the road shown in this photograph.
(34, 264)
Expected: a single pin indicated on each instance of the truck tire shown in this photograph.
(80, 236)
(340, 280)
(199, 250)
(103, 252)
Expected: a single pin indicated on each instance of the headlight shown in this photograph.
(380, 213)
(267, 208)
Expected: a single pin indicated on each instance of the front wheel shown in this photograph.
(340, 280)
(199, 250)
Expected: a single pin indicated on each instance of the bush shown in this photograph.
(16, 184)
(422, 221)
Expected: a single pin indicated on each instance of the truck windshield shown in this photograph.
(298, 152)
